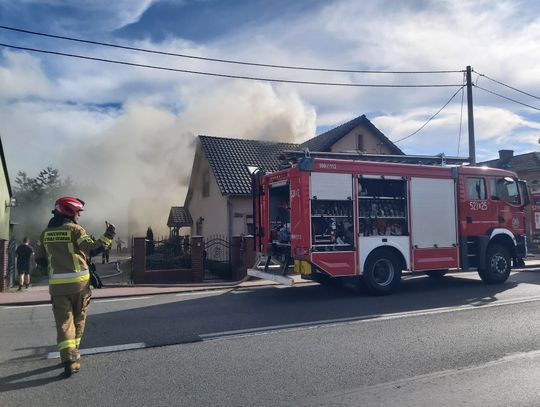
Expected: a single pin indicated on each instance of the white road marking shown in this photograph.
(206, 292)
(26, 306)
(103, 349)
(241, 333)
(122, 299)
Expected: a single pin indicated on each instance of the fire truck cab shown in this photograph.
(336, 216)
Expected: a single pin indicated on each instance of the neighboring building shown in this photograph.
(527, 167)
(6, 196)
(219, 196)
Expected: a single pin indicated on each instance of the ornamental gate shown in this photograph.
(217, 259)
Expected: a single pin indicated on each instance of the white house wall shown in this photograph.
(371, 143)
(213, 208)
(5, 200)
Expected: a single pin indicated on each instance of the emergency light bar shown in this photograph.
(440, 159)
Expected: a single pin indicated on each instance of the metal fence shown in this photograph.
(168, 254)
(217, 258)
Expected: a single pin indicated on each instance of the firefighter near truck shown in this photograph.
(337, 216)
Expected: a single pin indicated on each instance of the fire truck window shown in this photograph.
(507, 190)
(476, 188)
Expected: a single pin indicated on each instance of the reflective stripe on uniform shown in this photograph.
(106, 241)
(50, 269)
(84, 238)
(76, 264)
(55, 236)
(67, 278)
(77, 342)
(68, 343)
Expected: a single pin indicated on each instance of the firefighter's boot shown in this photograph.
(71, 367)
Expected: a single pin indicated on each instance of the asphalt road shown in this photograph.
(450, 342)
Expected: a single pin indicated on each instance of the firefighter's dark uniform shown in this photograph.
(64, 246)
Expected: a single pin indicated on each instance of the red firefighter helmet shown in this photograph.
(68, 206)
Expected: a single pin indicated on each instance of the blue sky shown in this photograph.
(125, 123)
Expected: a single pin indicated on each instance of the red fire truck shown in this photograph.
(332, 215)
(535, 218)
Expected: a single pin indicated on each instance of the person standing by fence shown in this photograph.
(24, 254)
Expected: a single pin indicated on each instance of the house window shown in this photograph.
(199, 226)
(206, 184)
(360, 142)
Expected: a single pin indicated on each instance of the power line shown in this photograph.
(508, 86)
(226, 61)
(507, 98)
(431, 118)
(253, 78)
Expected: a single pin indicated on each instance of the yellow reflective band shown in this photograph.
(76, 264)
(84, 238)
(50, 269)
(106, 241)
(68, 343)
(77, 341)
(55, 236)
(67, 278)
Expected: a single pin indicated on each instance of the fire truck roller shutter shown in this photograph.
(331, 186)
(433, 213)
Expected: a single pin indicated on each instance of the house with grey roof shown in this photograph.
(219, 201)
(527, 166)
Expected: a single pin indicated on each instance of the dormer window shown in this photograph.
(360, 142)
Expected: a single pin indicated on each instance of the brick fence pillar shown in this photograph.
(197, 259)
(237, 263)
(249, 255)
(4, 283)
(139, 260)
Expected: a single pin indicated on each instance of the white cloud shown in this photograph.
(21, 76)
(151, 136)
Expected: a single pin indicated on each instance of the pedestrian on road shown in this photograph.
(63, 248)
(105, 255)
(119, 243)
(24, 253)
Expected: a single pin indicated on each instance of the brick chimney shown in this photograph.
(506, 155)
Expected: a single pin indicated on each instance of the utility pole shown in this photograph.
(472, 153)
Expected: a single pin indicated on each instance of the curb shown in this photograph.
(187, 289)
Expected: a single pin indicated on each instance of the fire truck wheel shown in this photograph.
(437, 273)
(497, 268)
(382, 274)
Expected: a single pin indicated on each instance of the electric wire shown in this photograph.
(227, 61)
(253, 78)
(508, 86)
(431, 118)
(507, 98)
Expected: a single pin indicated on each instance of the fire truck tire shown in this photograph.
(497, 267)
(382, 274)
(437, 273)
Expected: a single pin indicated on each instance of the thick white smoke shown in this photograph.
(143, 161)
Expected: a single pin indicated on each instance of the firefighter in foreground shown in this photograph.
(63, 248)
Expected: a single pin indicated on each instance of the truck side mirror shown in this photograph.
(524, 192)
